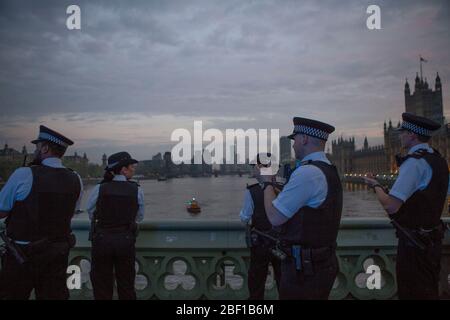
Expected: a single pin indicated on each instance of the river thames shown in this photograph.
(221, 198)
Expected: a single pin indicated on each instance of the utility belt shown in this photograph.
(115, 229)
(259, 240)
(268, 240)
(306, 258)
(40, 244)
(131, 228)
(22, 252)
(427, 237)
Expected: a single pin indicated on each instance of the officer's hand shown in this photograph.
(370, 179)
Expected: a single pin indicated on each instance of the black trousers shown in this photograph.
(418, 271)
(295, 285)
(113, 258)
(260, 257)
(45, 272)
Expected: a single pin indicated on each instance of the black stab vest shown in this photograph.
(317, 227)
(117, 204)
(48, 209)
(424, 208)
(259, 217)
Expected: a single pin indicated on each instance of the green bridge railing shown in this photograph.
(209, 260)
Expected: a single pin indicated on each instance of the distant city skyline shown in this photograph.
(138, 70)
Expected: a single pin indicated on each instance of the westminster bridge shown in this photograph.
(209, 260)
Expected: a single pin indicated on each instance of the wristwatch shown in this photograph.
(378, 185)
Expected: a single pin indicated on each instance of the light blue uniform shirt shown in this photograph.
(247, 209)
(414, 174)
(19, 185)
(448, 189)
(92, 201)
(307, 187)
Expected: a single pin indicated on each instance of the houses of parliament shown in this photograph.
(424, 101)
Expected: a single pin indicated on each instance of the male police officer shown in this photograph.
(260, 245)
(114, 206)
(39, 202)
(309, 211)
(416, 202)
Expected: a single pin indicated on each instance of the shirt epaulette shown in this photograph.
(302, 163)
(418, 154)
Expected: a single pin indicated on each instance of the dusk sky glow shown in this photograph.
(138, 70)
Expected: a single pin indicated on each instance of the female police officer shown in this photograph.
(115, 205)
(254, 215)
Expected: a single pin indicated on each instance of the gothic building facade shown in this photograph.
(424, 101)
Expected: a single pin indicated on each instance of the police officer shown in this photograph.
(39, 202)
(309, 211)
(416, 202)
(114, 206)
(254, 215)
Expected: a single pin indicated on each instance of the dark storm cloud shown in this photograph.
(261, 61)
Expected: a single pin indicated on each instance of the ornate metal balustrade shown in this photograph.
(209, 260)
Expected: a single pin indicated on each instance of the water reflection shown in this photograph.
(221, 198)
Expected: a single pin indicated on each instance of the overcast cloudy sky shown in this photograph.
(139, 69)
